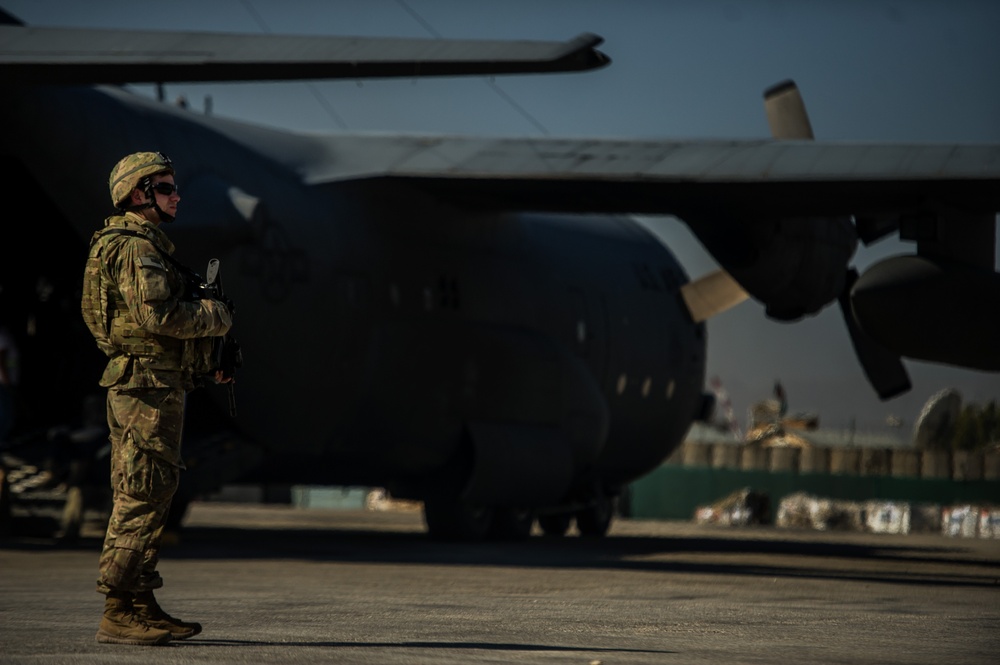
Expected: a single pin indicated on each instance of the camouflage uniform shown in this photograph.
(158, 343)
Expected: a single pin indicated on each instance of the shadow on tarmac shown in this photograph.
(799, 556)
(484, 646)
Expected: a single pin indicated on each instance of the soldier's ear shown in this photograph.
(137, 196)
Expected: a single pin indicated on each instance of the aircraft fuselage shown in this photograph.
(392, 338)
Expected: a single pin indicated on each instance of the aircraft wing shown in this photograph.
(34, 55)
(732, 193)
(785, 178)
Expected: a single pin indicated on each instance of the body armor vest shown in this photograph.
(106, 314)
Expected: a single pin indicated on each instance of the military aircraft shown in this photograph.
(478, 323)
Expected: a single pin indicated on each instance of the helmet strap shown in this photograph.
(146, 184)
(164, 217)
(138, 207)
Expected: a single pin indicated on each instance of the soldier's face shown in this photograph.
(166, 202)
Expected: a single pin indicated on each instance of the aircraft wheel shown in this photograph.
(512, 524)
(595, 520)
(555, 524)
(456, 520)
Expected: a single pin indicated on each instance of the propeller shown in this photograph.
(712, 294)
(786, 112)
(787, 117)
(884, 369)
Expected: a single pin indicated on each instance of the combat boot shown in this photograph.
(120, 625)
(150, 613)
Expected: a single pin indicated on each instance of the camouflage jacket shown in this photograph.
(136, 304)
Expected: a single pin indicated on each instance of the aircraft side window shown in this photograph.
(579, 310)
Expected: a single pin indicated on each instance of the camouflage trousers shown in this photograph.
(145, 470)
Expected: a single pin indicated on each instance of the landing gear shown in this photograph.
(555, 524)
(595, 520)
(592, 521)
(511, 524)
(456, 520)
(460, 520)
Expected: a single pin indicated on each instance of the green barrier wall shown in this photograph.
(673, 492)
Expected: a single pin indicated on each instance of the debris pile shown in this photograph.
(971, 521)
(806, 511)
(379, 498)
(902, 517)
(771, 426)
(968, 521)
(741, 508)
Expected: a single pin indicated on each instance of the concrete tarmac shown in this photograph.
(283, 585)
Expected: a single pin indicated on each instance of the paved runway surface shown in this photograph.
(283, 585)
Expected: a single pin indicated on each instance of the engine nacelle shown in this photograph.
(932, 310)
(794, 266)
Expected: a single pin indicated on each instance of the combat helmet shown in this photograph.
(134, 171)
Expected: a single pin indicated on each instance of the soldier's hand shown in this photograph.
(220, 377)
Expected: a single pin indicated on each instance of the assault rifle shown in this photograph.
(226, 352)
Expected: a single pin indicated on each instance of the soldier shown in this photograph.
(138, 304)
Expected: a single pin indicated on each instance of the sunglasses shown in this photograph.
(164, 188)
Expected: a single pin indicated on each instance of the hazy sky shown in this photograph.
(869, 70)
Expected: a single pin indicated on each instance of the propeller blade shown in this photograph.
(787, 117)
(884, 369)
(786, 112)
(712, 294)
